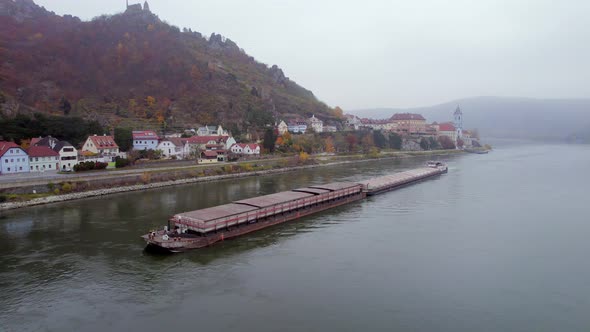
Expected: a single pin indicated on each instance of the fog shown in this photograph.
(386, 53)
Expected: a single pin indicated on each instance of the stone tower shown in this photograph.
(146, 6)
(458, 122)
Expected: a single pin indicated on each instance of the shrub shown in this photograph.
(146, 177)
(122, 162)
(3, 198)
(89, 166)
(67, 187)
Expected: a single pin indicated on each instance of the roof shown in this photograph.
(252, 146)
(206, 139)
(274, 199)
(216, 212)
(458, 111)
(5, 146)
(41, 151)
(446, 127)
(407, 116)
(145, 134)
(209, 153)
(103, 141)
(178, 141)
(335, 186)
(52, 143)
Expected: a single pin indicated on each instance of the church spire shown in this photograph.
(127, 4)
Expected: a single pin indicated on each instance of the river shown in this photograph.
(497, 244)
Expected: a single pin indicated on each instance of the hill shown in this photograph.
(132, 69)
(509, 117)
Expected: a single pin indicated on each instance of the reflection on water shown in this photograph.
(485, 243)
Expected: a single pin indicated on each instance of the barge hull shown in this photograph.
(181, 244)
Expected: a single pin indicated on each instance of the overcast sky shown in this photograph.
(390, 53)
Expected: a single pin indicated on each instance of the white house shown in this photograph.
(353, 121)
(316, 124)
(172, 147)
(13, 159)
(282, 128)
(330, 129)
(145, 140)
(212, 131)
(101, 145)
(68, 155)
(42, 159)
(297, 127)
(246, 149)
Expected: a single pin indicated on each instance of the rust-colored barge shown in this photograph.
(202, 228)
(382, 184)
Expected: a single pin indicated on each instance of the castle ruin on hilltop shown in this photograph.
(136, 8)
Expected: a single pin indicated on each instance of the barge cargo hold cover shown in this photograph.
(201, 228)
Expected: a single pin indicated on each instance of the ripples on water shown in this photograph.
(498, 243)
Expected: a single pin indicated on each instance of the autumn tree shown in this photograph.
(329, 145)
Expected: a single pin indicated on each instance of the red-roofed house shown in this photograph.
(208, 157)
(43, 158)
(101, 145)
(13, 159)
(249, 149)
(199, 143)
(145, 140)
(447, 129)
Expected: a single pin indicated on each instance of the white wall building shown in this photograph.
(43, 159)
(13, 159)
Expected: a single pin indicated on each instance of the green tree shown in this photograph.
(65, 106)
(270, 137)
(124, 138)
(424, 144)
(433, 143)
(379, 139)
(395, 141)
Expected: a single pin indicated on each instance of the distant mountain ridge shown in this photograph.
(132, 69)
(509, 117)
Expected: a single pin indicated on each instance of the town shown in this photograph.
(213, 144)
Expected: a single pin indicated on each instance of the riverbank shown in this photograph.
(146, 177)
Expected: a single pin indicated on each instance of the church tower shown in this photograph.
(458, 122)
(146, 6)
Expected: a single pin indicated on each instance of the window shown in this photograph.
(6, 161)
(21, 168)
(36, 158)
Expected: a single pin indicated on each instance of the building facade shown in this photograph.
(145, 140)
(316, 124)
(13, 159)
(43, 159)
(101, 145)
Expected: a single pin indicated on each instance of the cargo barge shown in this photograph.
(202, 228)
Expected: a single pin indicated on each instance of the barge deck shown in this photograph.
(202, 228)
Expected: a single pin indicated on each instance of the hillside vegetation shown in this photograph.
(134, 70)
